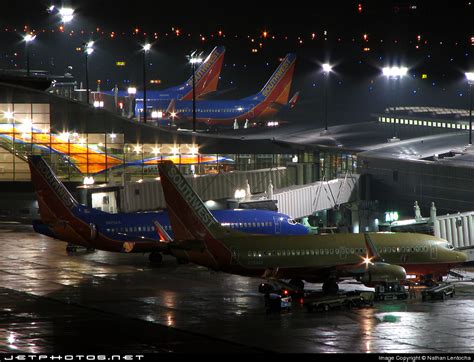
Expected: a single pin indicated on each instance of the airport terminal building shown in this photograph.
(85, 145)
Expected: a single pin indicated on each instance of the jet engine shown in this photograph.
(383, 272)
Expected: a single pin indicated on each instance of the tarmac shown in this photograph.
(99, 302)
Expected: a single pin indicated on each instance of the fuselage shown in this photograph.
(219, 112)
(124, 226)
(314, 257)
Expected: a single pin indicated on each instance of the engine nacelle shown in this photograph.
(382, 272)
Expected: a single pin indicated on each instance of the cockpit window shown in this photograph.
(292, 221)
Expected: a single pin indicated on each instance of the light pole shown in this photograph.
(131, 93)
(194, 59)
(327, 68)
(395, 73)
(88, 49)
(146, 48)
(470, 80)
(28, 39)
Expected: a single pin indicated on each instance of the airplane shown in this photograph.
(212, 113)
(64, 218)
(371, 258)
(206, 80)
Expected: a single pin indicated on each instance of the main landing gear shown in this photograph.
(330, 286)
(155, 258)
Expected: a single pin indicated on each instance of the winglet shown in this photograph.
(164, 236)
(294, 100)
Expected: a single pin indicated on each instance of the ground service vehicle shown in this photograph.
(349, 300)
(390, 291)
(438, 292)
(277, 302)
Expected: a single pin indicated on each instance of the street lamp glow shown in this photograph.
(89, 48)
(67, 14)
(29, 37)
(395, 72)
(132, 90)
(470, 76)
(147, 47)
(195, 60)
(327, 68)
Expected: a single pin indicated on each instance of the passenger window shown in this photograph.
(337, 251)
(278, 252)
(416, 249)
(331, 251)
(352, 251)
(311, 252)
(293, 252)
(316, 252)
(394, 250)
(326, 251)
(403, 249)
(297, 252)
(250, 253)
(307, 252)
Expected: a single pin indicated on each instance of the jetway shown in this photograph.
(458, 229)
(297, 201)
(302, 201)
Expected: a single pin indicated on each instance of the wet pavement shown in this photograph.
(102, 302)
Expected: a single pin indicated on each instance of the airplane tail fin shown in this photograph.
(47, 187)
(207, 75)
(189, 217)
(277, 89)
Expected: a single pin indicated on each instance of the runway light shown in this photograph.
(132, 90)
(147, 47)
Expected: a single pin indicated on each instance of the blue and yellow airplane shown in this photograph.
(261, 106)
(64, 218)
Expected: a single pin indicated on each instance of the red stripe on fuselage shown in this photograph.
(260, 108)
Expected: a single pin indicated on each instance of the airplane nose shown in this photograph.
(461, 256)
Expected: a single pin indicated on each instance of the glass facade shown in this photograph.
(26, 128)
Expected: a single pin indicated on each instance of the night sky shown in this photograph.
(431, 38)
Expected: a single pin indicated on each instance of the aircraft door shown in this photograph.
(343, 253)
(277, 222)
(433, 251)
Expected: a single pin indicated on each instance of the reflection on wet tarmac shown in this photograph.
(51, 302)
